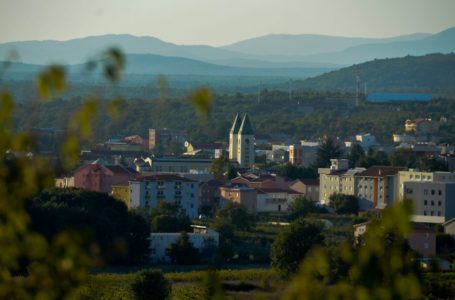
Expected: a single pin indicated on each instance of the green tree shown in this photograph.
(328, 150)
(211, 284)
(220, 168)
(302, 206)
(356, 155)
(151, 285)
(380, 268)
(121, 236)
(403, 158)
(431, 164)
(295, 172)
(292, 244)
(169, 217)
(235, 214)
(182, 251)
(344, 204)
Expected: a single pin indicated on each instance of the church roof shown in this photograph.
(246, 127)
(236, 126)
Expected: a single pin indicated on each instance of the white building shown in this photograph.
(366, 140)
(146, 191)
(275, 200)
(200, 237)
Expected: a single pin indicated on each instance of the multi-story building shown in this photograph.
(418, 176)
(174, 164)
(432, 199)
(164, 137)
(337, 179)
(100, 176)
(241, 142)
(376, 186)
(303, 155)
(147, 191)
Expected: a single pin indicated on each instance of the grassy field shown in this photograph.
(238, 284)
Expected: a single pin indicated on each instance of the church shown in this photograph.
(241, 142)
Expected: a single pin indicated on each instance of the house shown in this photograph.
(147, 191)
(306, 187)
(274, 200)
(420, 126)
(64, 182)
(100, 176)
(422, 238)
(255, 180)
(163, 138)
(242, 195)
(160, 242)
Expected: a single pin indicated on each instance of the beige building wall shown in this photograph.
(122, 193)
(245, 196)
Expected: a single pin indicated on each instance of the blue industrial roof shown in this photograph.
(399, 97)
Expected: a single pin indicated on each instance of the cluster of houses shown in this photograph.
(141, 181)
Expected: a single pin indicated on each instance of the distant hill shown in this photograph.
(78, 51)
(149, 64)
(443, 42)
(307, 44)
(429, 72)
(269, 52)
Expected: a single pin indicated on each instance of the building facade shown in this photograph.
(376, 187)
(147, 191)
(160, 242)
(243, 195)
(100, 177)
(164, 137)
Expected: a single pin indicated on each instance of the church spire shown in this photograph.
(245, 127)
(236, 125)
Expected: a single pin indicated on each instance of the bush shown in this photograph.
(292, 244)
(150, 285)
(344, 204)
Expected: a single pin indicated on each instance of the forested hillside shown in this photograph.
(434, 72)
(306, 115)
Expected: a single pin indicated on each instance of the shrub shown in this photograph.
(151, 285)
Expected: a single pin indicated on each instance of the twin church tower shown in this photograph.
(241, 142)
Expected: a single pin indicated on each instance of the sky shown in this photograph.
(220, 22)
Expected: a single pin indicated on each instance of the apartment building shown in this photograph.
(337, 179)
(147, 191)
(376, 186)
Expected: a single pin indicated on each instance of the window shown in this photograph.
(439, 213)
(432, 202)
(439, 203)
(424, 212)
(432, 192)
(432, 213)
(425, 202)
(439, 192)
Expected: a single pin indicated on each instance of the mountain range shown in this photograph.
(276, 51)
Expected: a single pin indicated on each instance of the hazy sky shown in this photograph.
(220, 22)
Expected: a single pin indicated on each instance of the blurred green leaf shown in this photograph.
(51, 81)
(202, 99)
(114, 107)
